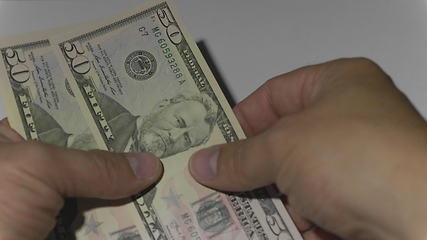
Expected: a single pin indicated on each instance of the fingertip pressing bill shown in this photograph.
(204, 163)
(145, 166)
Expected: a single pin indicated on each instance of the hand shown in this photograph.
(35, 177)
(340, 141)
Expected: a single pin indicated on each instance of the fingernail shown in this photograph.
(204, 163)
(145, 166)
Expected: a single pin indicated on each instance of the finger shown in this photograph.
(282, 95)
(95, 174)
(4, 139)
(237, 166)
(8, 133)
(294, 91)
(308, 230)
(317, 233)
(301, 223)
(5, 122)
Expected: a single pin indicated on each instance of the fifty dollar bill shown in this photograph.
(40, 104)
(38, 99)
(143, 86)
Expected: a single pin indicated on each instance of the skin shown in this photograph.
(341, 142)
(344, 145)
(35, 178)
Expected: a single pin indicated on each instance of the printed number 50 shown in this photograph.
(79, 63)
(172, 30)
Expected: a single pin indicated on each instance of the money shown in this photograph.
(38, 99)
(142, 85)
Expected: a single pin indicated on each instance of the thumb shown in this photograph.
(93, 174)
(238, 166)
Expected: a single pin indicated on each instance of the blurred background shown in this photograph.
(248, 42)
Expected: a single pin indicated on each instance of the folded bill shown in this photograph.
(136, 82)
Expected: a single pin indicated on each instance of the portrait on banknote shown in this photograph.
(174, 124)
(138, 90)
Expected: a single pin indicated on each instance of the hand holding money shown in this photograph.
(344, 145)
(136, 82)
(35, 177)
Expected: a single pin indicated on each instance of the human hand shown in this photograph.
(35, 177)
(340, 141)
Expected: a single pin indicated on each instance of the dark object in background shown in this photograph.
(217, 74)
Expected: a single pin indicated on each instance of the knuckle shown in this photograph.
(106, 169)
(360, 60)
(363, 66)
(368, 65)
(277, 137)
(37, 151)
(3, 127)
(271, 138)
(103, 166)
(4, 121)
(239, 172)
(364, 61)
(273, 81)
(351, 72)
(284, 142)
(370, 72)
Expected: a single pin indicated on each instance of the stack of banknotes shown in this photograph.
(132, 83)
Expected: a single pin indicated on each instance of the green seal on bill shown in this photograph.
(140, 65)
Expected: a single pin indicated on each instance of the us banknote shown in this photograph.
(38, 99)
(143, 85)
(40, 104)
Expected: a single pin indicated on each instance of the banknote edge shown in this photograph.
(7, 96)
(22, 40)
(8, 101)
(56, 40)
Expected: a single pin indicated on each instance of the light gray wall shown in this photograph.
(251, 41)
